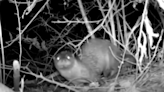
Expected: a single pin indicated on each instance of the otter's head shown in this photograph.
(64, 60)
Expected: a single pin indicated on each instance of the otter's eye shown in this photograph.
(68, 57)
(58, 58)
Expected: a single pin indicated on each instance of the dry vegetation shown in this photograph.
(35, 31)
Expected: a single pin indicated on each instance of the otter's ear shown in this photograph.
(54, 57)
(54, 60)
